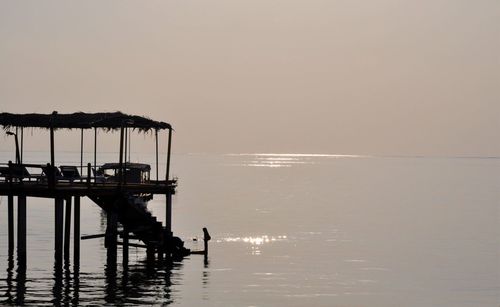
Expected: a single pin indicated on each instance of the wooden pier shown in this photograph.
(122, 189)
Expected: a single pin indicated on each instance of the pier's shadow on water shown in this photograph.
(144, 282)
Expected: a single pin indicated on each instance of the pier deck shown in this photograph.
(67, 189)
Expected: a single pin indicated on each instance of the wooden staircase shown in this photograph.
(133, 215)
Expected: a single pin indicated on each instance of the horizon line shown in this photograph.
(312, 155)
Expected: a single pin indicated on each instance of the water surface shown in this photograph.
(289, 230)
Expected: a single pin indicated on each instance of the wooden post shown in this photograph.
(67, 229)
(21, 228)
(110, 240)
(52, 157)
(10, 214)
(22, 144)
(129, 143)
(206, 238)
(120, 171)
(58, 229)
(76, 233)
(51, 176)
(95, 150)
(150, 254)
(81, 152)
(18, 156)
(125, 246)
(52, 169)
(156, 139)
(169, 153)
(89, 175)
(125, 146)
(160, 254)
(168, 213)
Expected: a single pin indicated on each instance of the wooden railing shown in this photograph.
(45, 174)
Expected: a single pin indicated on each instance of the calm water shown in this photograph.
(291, 230)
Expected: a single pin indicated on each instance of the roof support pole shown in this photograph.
(95, 151)
(52, 158)
(18, 156)
(169, 153)
(81, 151)
(156, 139)
(120, 171)
(22, 143)
(126, 146)
(168, 213)
(52, 169)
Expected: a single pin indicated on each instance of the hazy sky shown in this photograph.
(303, 76)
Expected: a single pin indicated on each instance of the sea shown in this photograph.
(287, 230)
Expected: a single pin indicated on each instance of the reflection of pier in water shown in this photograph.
(121, 286)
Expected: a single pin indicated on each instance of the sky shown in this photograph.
(373, 77)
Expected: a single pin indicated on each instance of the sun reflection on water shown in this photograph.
(286, 160)
(260, 240)
(255, 243)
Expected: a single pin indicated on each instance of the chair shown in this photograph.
(46, 172)
(16, 171)
(70, 173)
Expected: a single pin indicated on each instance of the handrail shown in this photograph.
(52, 175)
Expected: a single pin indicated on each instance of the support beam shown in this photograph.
(150, 254)
(22, 144)
(89, 174)
(58, 230)
(111, 234)
(18, 155)
(120, 171)
(95, 150)
(81, 152)
(168, 214)
(52, 168)
(67, 229)
(10, 214)
(125, 149)
(76, 233)
(129, 144)
(169, 153)
(156, 141)
(161, 251)
(52, 156)
(21, 229)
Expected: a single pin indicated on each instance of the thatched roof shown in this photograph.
(114, 120)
